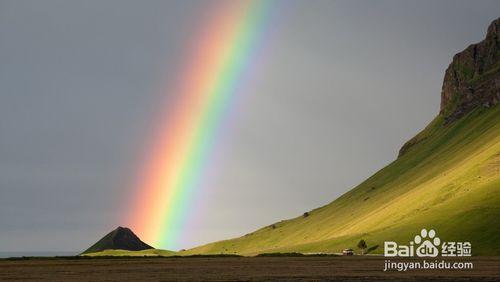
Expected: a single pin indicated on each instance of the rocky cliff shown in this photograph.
(473, 77)
(472, 80)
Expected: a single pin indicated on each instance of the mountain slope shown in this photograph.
(121, 238)
(446, 178)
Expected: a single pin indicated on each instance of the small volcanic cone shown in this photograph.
(122, 238)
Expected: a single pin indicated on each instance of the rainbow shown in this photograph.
(191, 127)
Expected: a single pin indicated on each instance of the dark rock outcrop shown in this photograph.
(472, 80)
(473, 77)
(121, 238)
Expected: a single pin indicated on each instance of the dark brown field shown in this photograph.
(234, 269)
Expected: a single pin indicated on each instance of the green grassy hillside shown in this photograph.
(448, 180)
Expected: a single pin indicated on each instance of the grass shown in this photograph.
(448, 179)
(147, 253)
(143, 253)
(296, 254)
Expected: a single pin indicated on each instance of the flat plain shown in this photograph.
(234, 269)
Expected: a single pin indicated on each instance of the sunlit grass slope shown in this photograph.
(447, 180)
(150, 252)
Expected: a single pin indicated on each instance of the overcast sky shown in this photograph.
(341, 86)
